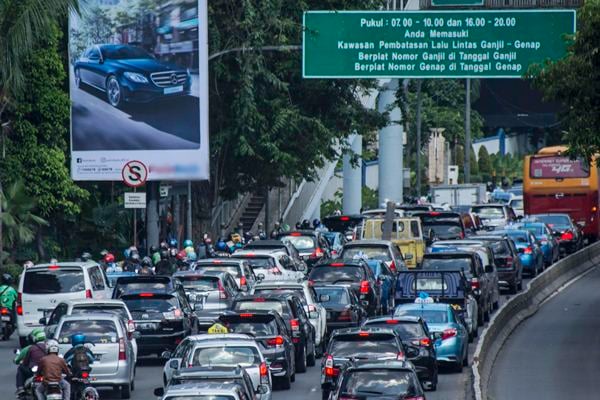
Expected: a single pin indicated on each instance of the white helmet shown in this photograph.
(52, 346)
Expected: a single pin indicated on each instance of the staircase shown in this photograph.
(253, 209)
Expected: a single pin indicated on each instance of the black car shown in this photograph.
(358, 344)
(130, 74)
(508, 262)
(346, 224)
(569, 235)
(414, 333)
(354, 273)
(385, 380)
(312, 245)
(290, 307)
(215, 374)
(445, 225)
(343, 307)
(146, 283)
(273, 337)
(163, 319)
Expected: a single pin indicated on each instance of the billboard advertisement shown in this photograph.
(139, 89)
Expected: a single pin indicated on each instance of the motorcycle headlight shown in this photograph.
(135, 77)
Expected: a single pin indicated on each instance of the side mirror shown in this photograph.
(165, 355)
(174, 364)
(313, 315)
(43, 321)
(324, 298)
(136, 335)
(489, 269)
(159, 392)
(262, 389)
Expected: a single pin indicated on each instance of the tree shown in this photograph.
(575, 81)
(484, 162)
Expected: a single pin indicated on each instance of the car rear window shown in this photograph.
(371, 346)
(101, 308)
(97, 332)
(336, 296)
(250, 305)
(554, 220)
(500, 248)
(52, 281)
(244, 356)
(518, 237)
(379, 382)
(535, 230)
(347, 273)
(151, 304)
(429, 316)
(446, 264)
(489, 212)
(445, 230)
(234, 270)
(298, 292)
(256, 326)
(263, 262)
(301, 242)
(406, 330)
(122, 289)
(198, 282)
(377, 252)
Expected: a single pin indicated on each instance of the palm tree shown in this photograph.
(22, 24)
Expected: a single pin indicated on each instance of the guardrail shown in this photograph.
(521, 307)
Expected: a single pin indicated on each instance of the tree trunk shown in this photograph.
(39, 242)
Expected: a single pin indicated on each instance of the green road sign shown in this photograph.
(445, 3)
(431, 44)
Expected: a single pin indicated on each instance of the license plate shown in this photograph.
(5, 318)
(147, 326)
(174, 89)
(97, 357)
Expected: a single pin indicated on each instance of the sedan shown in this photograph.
(543, 234)
(568, 233)
(529, 250)
(343, 308)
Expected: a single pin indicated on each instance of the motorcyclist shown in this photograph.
(202, 249)
(8, 295)
(29, 357)
(261, 232)
(52, 368)
(164, 266)
(182, 262)
(154, 254)
(146, 267)
(305, 224)
(132, 264)
(276, 230)
(111, 266)
(188, 244)
(79, 357)
(173, 243)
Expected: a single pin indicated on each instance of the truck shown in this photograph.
(457, 195)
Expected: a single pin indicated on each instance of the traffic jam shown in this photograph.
(380, 318)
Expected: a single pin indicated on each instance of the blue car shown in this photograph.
(130, 74)
(449, 332)
(530, 252)
(387, 280)
(543, 234)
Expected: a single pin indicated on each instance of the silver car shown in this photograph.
(106, 334)
(203, 391)
(239, 269)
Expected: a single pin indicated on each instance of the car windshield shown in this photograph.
(430, 316)
(554, 220)
(161, 304)
(301, 242)
(385, 382)
(334, 274)
(489, 212)
(375, 346)
(52, 281)
(251, 305)
(244, 356)
(101, 308)
(124, 52)
(535, 230)
(500, 248)
(377, 252)
(97, 332)
(193, 282)
(406, 330)
(234, 270)
(336, 295)
(518, 237)
(444, 230)
(255, 328)
(442, 264)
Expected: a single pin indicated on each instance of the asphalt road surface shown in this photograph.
(555, 354)
(170, 124)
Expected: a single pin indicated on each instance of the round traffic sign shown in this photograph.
(134, 173)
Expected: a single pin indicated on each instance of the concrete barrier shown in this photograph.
(521, 307)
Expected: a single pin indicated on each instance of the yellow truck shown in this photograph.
(406, 233)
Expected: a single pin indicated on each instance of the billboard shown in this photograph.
(139, 89)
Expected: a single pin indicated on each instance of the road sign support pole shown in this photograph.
(352, 177)
(152, 219)
(189, 211)
(135, 223)
(419, 126)
(467, 165)
(391, 146)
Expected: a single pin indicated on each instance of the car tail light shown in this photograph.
(295, 234)
(88, 294)
(363, 334)
(130, 328)
(567, 236)
(509, 261)
(146, 294)
(330, 371)
(391, 321)
(448, 333)
(38, 378)
(85, 374)
(474, 283)
(400, 356)
(222, 292)
(393, 266)
(425, 342)
(243, 281)
(344, 218)
(311, 282)
(345, 316)
(334, 252)
(364, 287)
(461, 235)
(264, 373)
(246, 315)
(122, 353)
(19, 306)
(434, 213)
(528, 250)
(176, 314)
(295, 324)
(276, 341)
(318, 253)
(336, 264)
(4, 311)
(415, 398)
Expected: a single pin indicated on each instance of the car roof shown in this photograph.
(300, 284)
(217, 261)
(424, 306)
(87, 264)
(450, 254)
(267, 296)
(91, 316)
(346, 261)
(256, 252)
(200, 387)
(220, 371)
(228, 337)
(489, 205)
(266, 243)
(383, 364)
(330, 286)
(91, 302)
(230, 313)
(403, 318)
(302, 232)
(209, 273)
(358, 330)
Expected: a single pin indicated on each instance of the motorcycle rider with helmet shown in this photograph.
(164, 266)
(8, 295)
(79, 356)
(132, 264)
(52, 368)
(146, 267)
(30, 357)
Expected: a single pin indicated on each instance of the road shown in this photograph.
(555, 354)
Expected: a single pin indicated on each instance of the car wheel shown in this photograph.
(512, 289)
(301, 361)
(132, 385)
(312, 357)
(324, 395)
(126, 391)
(77, 74)
(285, 383)
(114, 92)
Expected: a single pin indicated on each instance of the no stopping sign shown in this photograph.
(134, 173)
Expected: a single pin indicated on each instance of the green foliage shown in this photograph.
(370, 200)
(484, 161)
(575, 81)
(506, 166)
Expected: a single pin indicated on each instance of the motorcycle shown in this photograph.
(53, 391)
(81, 389)
(31, 385)
(7, 326)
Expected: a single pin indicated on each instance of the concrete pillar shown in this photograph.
(391, 147)
(352, 200)
(152, 220)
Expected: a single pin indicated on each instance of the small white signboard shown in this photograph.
(135, 200)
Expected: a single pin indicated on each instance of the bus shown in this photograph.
(554, 183)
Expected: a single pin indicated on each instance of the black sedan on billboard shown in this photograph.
(130, 74)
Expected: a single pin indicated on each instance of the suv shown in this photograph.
(312, 245)
(274, 338)
(290, 307)
(270, 264)
(494, 216)
(383, 250)
(445, 225)
(344, 309)
(43, 286)
(281, 246)
(146, 283)
(239, 269)
(569, 235)
(356, 274)
(508, 262)
(209, 293)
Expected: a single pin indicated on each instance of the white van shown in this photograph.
(43, 286)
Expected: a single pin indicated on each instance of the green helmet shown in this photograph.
(38, 335)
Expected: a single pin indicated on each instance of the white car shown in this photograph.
(42, 287)
(516, 202)
(316, 312)
(271, 264)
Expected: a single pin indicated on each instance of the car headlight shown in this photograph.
(135, 77)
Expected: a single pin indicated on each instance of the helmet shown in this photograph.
(146, 262)
(109, 258)
(192, 256)
(28, 264)
(164, 245)
(52, 347)
(173, 243)
(135, 256)
(182, 255)
(316, 222)
(77, 339)
(305, 224)
(153, 249)
(188, 243)
(37, 335)
(189, 249)
(126, 253)
(164, 254)
(221, 246)
(173, 252)
(86, 256)
(6, 279)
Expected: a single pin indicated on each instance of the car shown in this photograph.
(282, 246)
(239, 269)
(346, 224)
(212, 374)
(343, 308)
(129, 74)
(228, 350)
(530, 252)
(146, 283)
(114, 359)
(508, 262)
(270, 264)
(413, 331)
(547, 241)
(312, 245)
(316, 312)
(516, 202)
(354, 273)
(386, 279)
(494, 215)
(336, 242)
(444, 225)
(358, 344)
(87, 306)
(209, 294)
(378, 380)
(43, 286)
(163, 319)
(449, 332)
(384, 250)
(204, 391)
(271, 333)
(114, 276)
(290, 307)
(569, 235)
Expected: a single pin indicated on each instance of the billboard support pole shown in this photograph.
(189, 211)
(467, 166)
(152, 219)
(135, 223)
